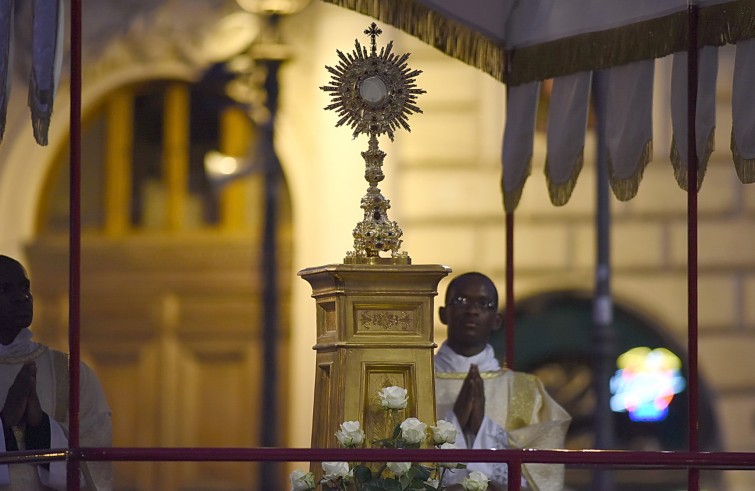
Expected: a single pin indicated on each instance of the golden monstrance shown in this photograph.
(374, 314)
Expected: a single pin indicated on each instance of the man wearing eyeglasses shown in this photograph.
(492, 407)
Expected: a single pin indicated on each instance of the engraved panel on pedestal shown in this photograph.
(372, 319)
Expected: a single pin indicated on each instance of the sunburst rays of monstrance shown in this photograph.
(374, 94)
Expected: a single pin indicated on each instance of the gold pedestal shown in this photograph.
(374, 330)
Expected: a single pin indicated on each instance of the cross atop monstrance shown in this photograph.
(374, 93)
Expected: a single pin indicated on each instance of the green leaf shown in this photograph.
(383, 485)
(396, 432)
(405, 481)
(372, 486)
(362, 473)
(419, 472)
(392, 485)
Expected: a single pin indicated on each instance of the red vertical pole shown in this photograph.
(692, 168)
(515, 476)
(73, 464)
(509, 321)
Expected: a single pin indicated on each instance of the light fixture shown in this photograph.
(221, 169)
(273, 7)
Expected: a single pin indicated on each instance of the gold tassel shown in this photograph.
(727, 23)
(654, 38)
(626, 188)
(511, 198)
(745, 167)
(680, 168)
(719, 24)
(599, 50)
(450, 37)
(561, 192)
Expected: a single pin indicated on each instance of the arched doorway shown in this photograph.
(553, 340)
(171, 279)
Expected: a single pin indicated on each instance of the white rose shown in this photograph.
(448, 446)
(332, 471)
(399, 468)
(445, 432)
(475, 481)
(302, 481)
(350, 434)
(413, 431)
(393, 397)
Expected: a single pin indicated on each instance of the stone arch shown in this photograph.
(187, 307)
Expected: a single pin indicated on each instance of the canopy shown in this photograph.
(576, 43)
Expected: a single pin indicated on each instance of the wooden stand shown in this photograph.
(374, 330)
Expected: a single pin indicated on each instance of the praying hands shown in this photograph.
(22, 404)
(470, 404)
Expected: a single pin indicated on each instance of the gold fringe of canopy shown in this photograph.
(680, 168)
(470, 34)
(720, 24)
(448, 35)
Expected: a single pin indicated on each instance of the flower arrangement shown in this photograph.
(391, 476)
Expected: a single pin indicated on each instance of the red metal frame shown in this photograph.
(693, 480)
(74, 265)
(694, 460)
(509, 324)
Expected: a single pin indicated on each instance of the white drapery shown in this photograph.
(47, 54)
(522, 42)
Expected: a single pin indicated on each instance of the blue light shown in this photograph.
(645, 383)
(648, 413)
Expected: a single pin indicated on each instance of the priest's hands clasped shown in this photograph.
(22, 404)
(470, 404)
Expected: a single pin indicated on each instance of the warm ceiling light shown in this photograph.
(270, 7)
(222, 169)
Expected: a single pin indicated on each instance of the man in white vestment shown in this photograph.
(492, 407)
(34, 397)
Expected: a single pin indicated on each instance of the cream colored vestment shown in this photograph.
(52, 390)
(518, 403)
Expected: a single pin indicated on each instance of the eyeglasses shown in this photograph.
(480, 303)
